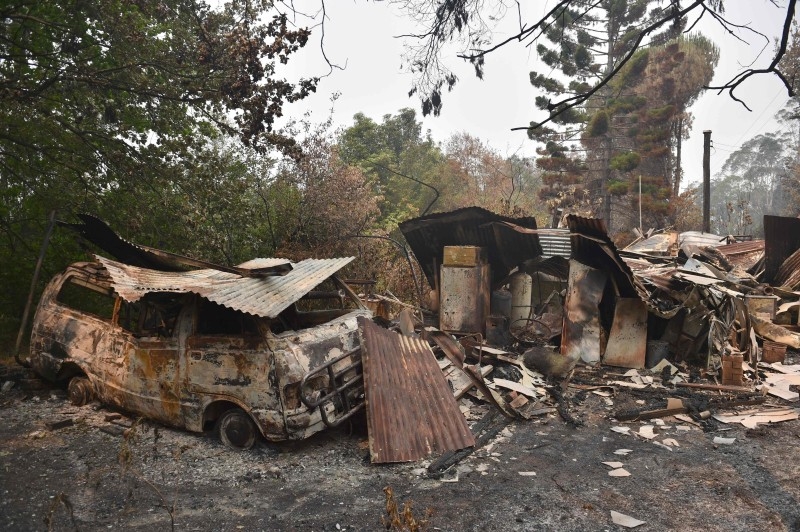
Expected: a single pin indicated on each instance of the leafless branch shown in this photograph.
(737, 80)
(574, 101)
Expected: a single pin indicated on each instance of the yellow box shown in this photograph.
(464, 256)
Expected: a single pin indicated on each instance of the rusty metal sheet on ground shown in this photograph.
(627, 341)
(411, 411)
(581, 339)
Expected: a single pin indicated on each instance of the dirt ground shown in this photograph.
(85, 468)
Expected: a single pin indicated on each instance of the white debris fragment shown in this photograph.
(647, 432)
(625, 520)
(619, 472)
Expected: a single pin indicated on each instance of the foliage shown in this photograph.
(403, 519)
(476, 175)
(687, 213)
(400, 162)
(120, 108)
(469, 25)
(751, 184)
(625, 161)
(648, 117)
(335, 202)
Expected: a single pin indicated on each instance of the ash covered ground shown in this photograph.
(90, 468)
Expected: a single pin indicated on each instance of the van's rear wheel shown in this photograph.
(236, 430)
(79, 391)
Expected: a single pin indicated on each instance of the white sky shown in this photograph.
(360, 35)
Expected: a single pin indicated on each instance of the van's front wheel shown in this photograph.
(236, 430)
(79, 391)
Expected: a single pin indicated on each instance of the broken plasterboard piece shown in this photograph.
(515, 386)
(614, 465)
(646, 431)
(527, 473)
(629, 384)
(751, 420)
(719, 440)
(781, 389)
(460, 381)
(625, 520)
(619, 472)
(792, 379)
(674, 402)
(623, 452)
(658, 368)
(785, 368)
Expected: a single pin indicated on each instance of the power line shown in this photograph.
(759, 117)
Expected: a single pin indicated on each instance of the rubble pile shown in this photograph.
(697, 325)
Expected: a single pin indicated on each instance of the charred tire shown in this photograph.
(79, 391)
(236, 430)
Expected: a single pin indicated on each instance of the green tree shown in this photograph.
(636, 137)
(109, 106)
(401, 163)
(586, 40)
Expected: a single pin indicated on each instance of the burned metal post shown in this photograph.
(707, 181)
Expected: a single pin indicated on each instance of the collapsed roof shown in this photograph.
(427, 237)
(264, 296)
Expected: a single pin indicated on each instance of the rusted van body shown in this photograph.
(206, 348)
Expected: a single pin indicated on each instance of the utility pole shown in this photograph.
(707, 181)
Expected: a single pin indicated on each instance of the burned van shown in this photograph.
(206, 349)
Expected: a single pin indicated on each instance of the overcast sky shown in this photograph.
(361, 36)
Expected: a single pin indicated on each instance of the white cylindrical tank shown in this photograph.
(521, 286)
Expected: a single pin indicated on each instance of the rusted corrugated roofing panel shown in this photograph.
(411, 411)
(743, 254)
(789, 272)
(781, 239)
(506, 249)
(100, 234)
(260, 296)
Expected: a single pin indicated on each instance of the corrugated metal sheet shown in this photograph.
(411, 411)
(592, 246)
(781, 239)
(789, 272)
(698, 238)
(100, 234)
(660, 244)
(428, 235)
(556, 266)
(260, 296)
(743, 254)
(555, 242)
